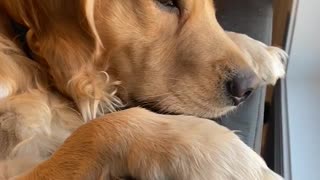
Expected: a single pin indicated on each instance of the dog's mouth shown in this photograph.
(151, 106)
(127, 178)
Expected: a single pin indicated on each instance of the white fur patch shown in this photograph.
(4, 91)
(277, 63)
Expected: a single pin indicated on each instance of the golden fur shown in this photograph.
(34, 122)
(106, 55)
(149, 146)
(173, 62)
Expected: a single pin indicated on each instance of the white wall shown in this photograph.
(305, 52)
(303, 84)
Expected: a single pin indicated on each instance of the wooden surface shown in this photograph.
(282, 11)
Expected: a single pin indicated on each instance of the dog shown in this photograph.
(171, 57)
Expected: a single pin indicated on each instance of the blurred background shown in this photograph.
(297, 30)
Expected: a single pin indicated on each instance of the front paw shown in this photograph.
(145, 145)
(189, 148)
(268, 62)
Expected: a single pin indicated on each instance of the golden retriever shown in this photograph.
(170, 56)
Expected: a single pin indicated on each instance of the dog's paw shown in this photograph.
(144, 145)
(268, 62)
(182, 147)
(271, 71)
(270, 175)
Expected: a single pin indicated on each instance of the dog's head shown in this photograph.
(173, 56)
(169, 55)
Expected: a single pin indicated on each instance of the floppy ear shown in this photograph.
(268, 62)
(63, 34)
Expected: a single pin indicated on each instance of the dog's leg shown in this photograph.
(147, 146)
(268, 62)
(24, 120)
(11, 168)
(32, 126)
(12, 164)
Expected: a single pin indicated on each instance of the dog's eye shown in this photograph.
(169, 3)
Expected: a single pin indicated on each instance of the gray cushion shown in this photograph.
(252, 17)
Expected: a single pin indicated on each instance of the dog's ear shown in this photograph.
(63, 34)
(268, 62)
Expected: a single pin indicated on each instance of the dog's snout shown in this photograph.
(242, 85)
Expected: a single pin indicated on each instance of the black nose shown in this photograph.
(242, 86)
